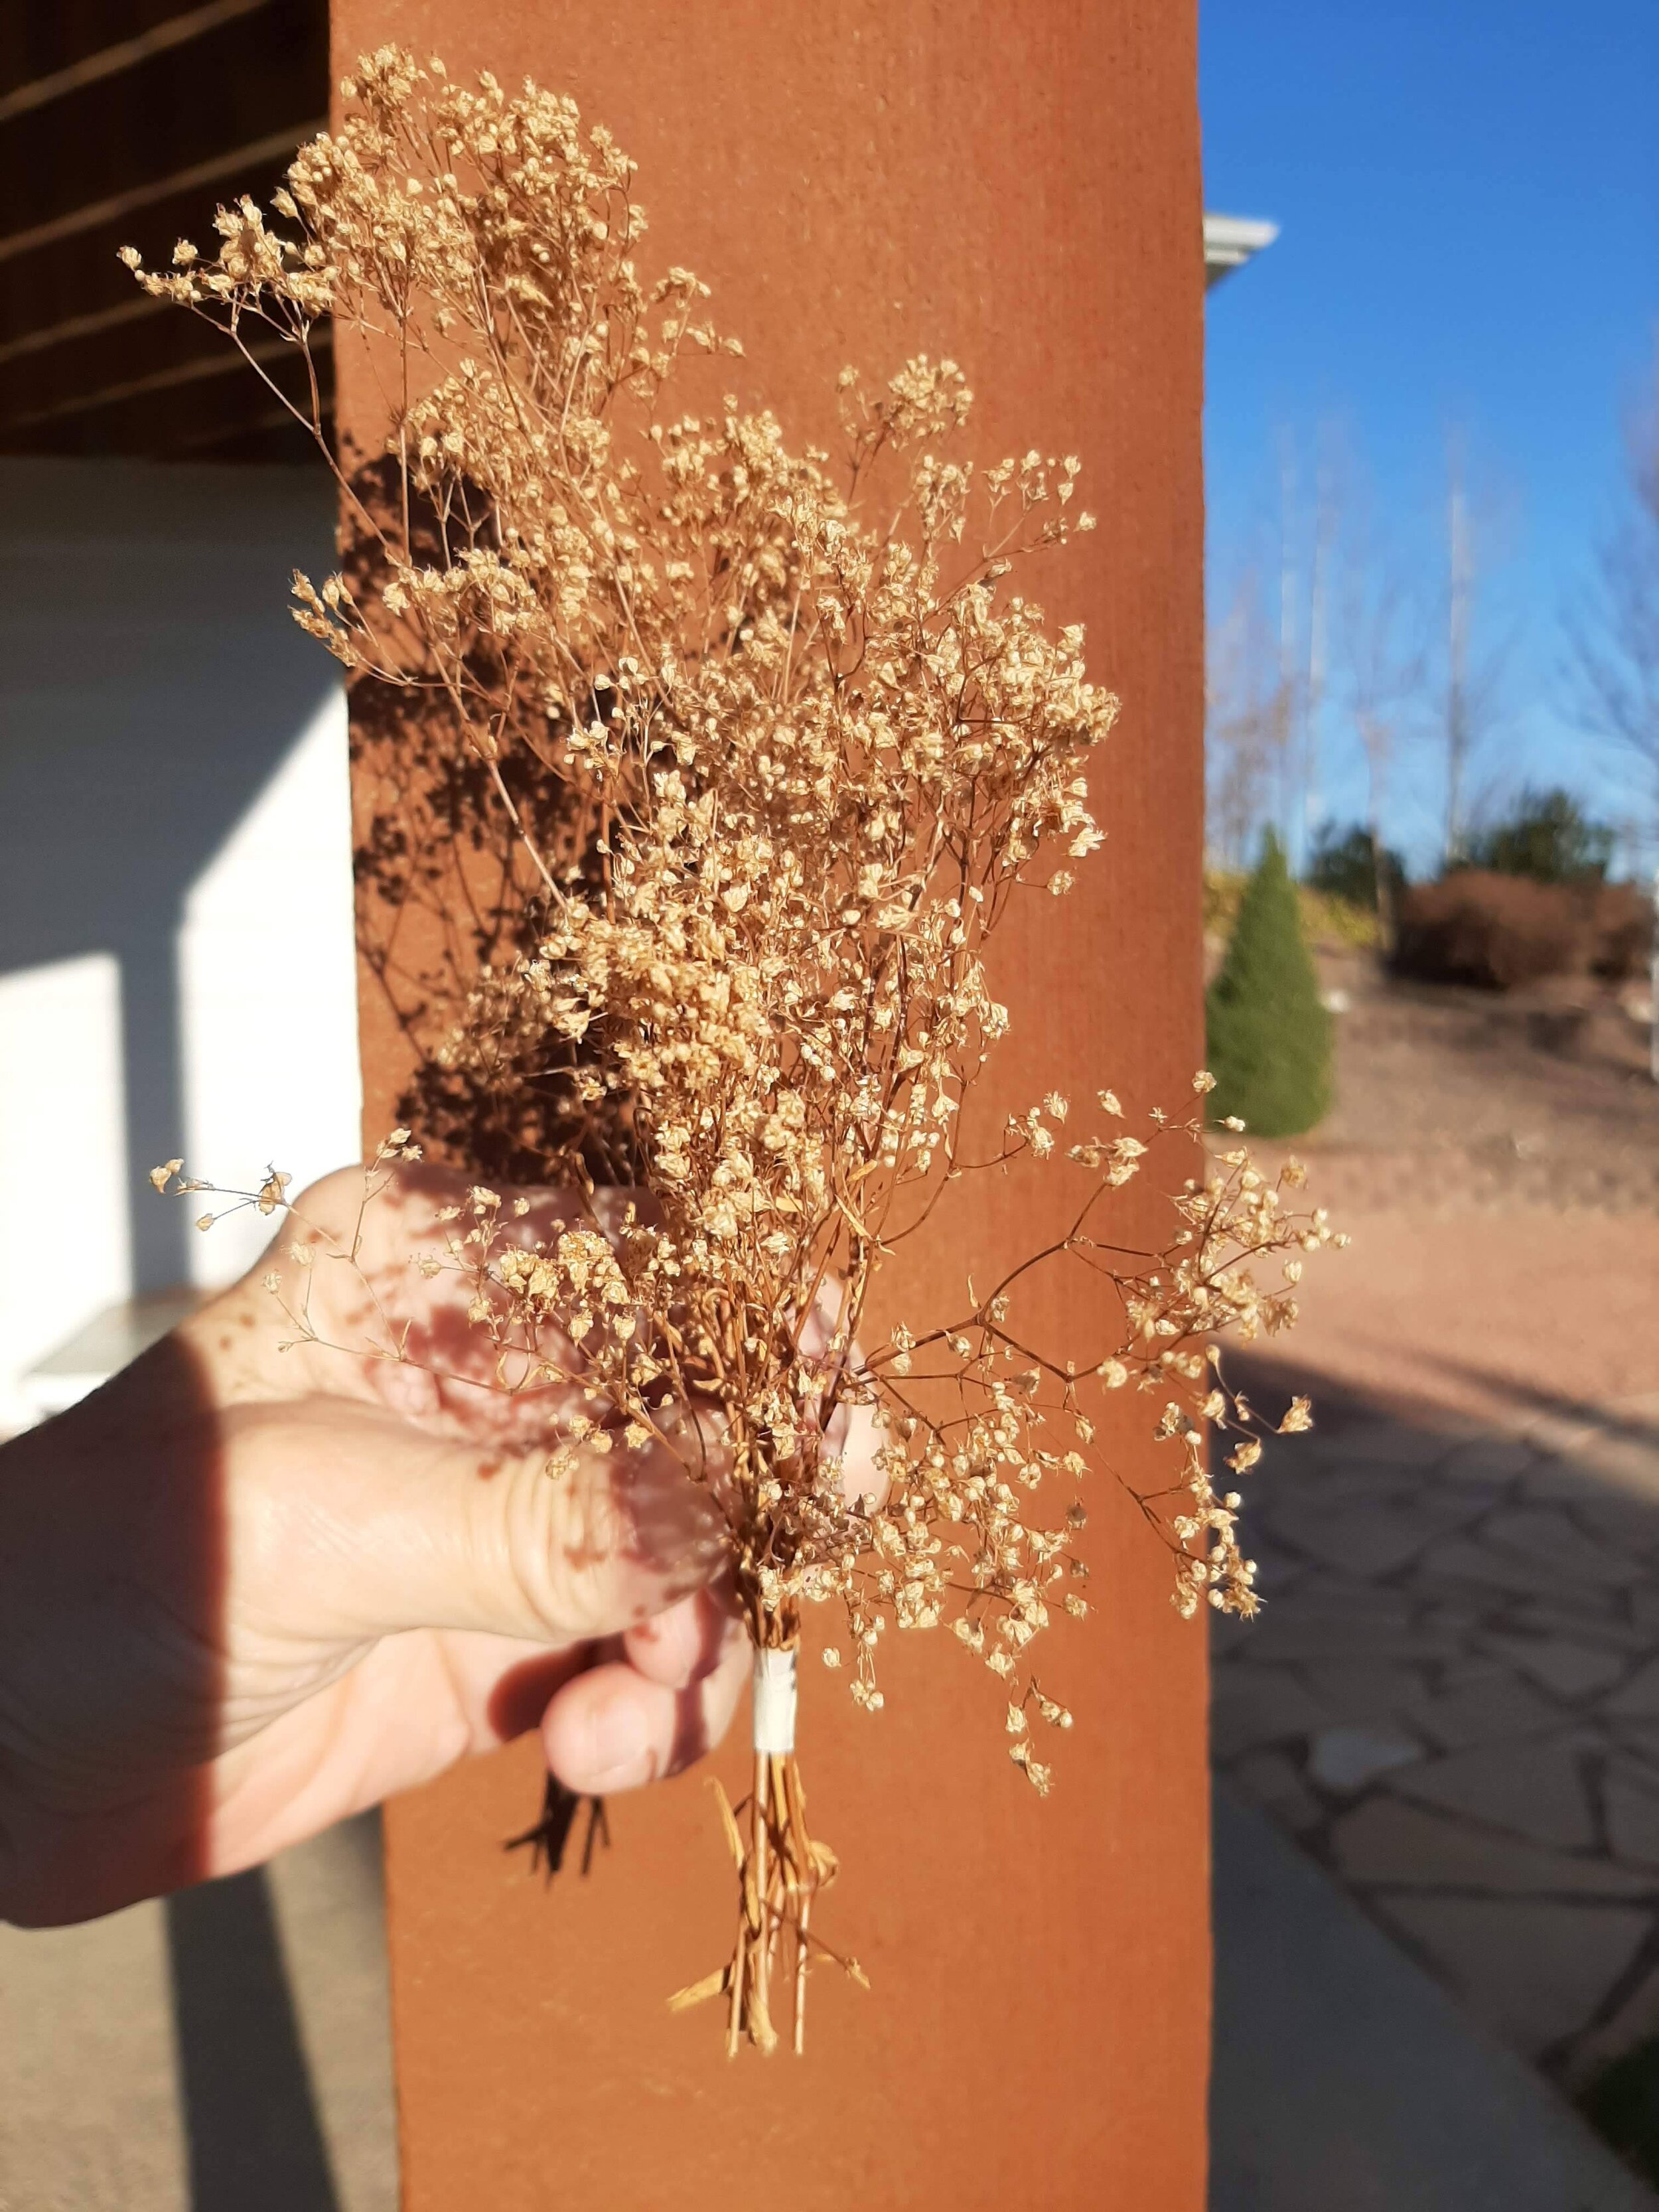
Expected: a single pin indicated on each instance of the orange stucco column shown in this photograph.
(1014, 182)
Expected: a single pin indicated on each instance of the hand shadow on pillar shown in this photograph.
(548, 1839)
(254, 2139)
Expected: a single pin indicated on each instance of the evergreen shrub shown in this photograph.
(1344, 864)
(1548, 836)
(1269, 1035)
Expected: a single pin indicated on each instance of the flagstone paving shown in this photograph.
(1451, 1699)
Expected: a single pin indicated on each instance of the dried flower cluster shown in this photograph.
(773, 771)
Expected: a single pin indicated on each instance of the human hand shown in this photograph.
(246, 1592)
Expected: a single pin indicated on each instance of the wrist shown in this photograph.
(105, 1564)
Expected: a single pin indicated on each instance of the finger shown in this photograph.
(854, 1433)
(410, 1280)
(399, 1529)
(379, 1211)
(502, 1685)
(380, 1255)
(405, 1714)
(857, 1436)
(612, 1730)
(614, 1538)
(409, 1710)
(687, 1642)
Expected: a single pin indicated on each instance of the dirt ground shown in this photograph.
(1501, 1316)
(1496, 1160)
(1455, 1098)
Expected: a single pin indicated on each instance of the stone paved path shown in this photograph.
(1452, 1701)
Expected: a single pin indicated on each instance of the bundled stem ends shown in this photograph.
(781, 1869)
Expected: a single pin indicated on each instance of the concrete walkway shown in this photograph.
(227, 2051)
(1345, 2080)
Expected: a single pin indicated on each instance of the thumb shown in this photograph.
(369, 1526)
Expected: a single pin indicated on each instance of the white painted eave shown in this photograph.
(1231, 241)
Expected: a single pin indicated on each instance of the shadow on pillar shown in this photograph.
(254, 2138)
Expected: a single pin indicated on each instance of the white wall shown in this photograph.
(62, 1154)
(176, 970)
(268, 993)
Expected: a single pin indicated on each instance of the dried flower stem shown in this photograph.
(754, 750)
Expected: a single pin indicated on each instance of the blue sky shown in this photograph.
(1468, 191)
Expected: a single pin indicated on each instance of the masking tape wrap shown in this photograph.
(774, 1703)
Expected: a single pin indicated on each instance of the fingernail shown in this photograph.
(617, 1737)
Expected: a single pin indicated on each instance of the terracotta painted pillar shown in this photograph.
(1014, 182)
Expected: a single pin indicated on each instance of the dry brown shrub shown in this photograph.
(1621, 932)
(1492, 931)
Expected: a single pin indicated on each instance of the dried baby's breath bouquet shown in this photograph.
(776, 741)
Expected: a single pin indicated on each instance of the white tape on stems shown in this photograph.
(774, 1703)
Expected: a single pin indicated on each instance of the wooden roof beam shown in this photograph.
(219, 363)
(120, 204)
(110, 61)
(81, 326)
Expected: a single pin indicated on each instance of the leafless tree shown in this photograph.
(1367, 656)
(1308, 531)
(1472, 697)
(1614, 640)
(1613, 630)
(1268, 670)
(1380, 678)
(1248, 721)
